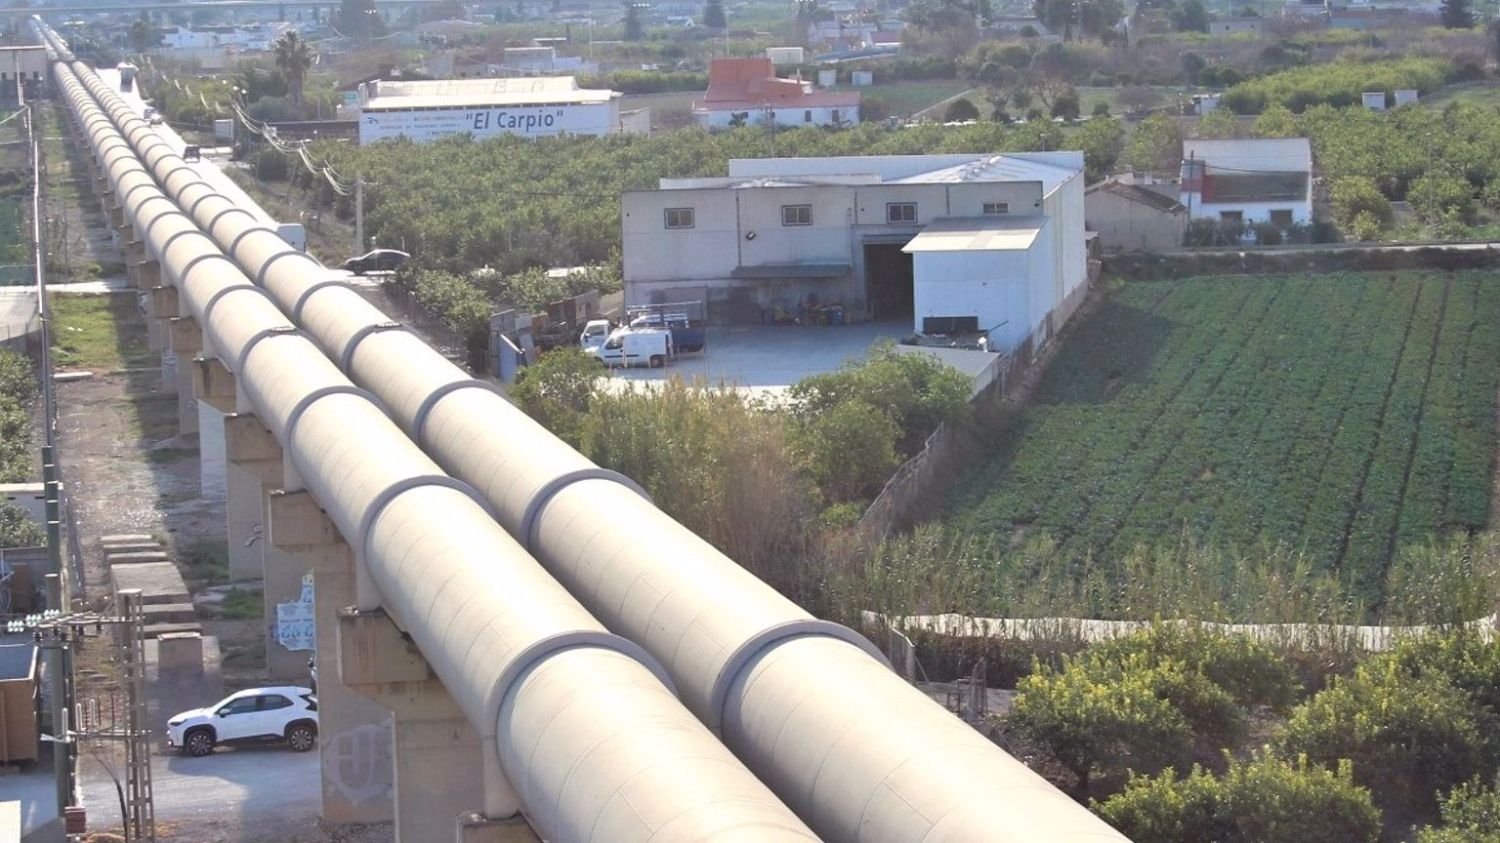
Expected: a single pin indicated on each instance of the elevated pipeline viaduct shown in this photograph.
(560, 659)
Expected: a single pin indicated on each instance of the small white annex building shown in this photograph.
(532, 106)
(1248, 180)
(943, 243)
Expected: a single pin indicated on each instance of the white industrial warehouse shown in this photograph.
(531, 106)
(946, 243)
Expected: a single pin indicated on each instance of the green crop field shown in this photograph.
(1342, 416)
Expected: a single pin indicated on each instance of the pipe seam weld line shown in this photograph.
(769, 639)
(346, 357)
(267, 333)
(532, 516)
(397, 489)
(419, 419)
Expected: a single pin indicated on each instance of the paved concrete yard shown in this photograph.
(767, 360)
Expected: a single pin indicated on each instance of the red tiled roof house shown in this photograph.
(747, 91)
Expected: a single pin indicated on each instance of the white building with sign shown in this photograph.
(534, 107)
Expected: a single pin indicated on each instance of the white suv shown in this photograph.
(283, 712)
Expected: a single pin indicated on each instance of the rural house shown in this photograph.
(1248, 180)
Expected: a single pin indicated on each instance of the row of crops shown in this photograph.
(1342, 416)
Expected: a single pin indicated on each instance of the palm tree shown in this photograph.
(293, 58)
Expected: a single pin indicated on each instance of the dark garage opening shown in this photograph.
(888, 281)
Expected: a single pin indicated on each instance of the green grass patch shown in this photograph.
(204, 561)
(1346, 420)
(903, 99)
(100, 333)
(242, 605)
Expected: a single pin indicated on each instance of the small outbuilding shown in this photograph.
(995, 271)
(1133, 218)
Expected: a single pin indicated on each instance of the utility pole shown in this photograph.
(56, 633)
(359, 213)
(62, 774)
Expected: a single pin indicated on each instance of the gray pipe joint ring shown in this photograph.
(769, 639)
(346, 357)
(308, 293)
(532, 516)
(260, 275)
(395, 490)
(255, 338)
(419, 420)
(224, 213)
(544, 649)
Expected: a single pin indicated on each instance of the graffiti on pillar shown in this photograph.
(357, 762)
(295, 628)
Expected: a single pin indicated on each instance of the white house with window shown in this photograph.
(1248, 180)
(939, 242)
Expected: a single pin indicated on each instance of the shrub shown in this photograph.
(1262, 800)
(718, 465)
(1249, 670)
(960, 110)
(849, 450)
(1099, 721)
(1408, 738)
(17, 529)
(1471, 814)
(558, 390)
(916, 391)
(1461, 657)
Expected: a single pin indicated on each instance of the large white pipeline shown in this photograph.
(595, 745)
(865, 759)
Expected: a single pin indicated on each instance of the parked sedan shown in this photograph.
(377, 260)
(279, 713)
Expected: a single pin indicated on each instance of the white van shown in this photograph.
(635, 347)
(594, 334)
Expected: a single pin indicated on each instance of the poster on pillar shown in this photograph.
(295, 628)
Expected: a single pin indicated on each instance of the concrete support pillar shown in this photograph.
(252, 464)
(148, 274)
(215, 388)
(441, 772)
(135, 255)
(356, 740)
(187, 341)
(159, 309)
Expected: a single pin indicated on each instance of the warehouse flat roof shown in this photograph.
(978, 234)
(387, 95)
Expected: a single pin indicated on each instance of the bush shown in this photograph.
(713, 462)
(1471, 814)
(558, 389)
(17, 529)
(1102, 720)
(960, 110)
(1408, 738)
(1249, 670)
(849, 450)
(916, 391)
(1262, 800)
(17, 390)
(1469, 662)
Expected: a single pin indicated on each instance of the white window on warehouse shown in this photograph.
(679, 218)
(796, 215)
(992, 209)
(901, 212)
